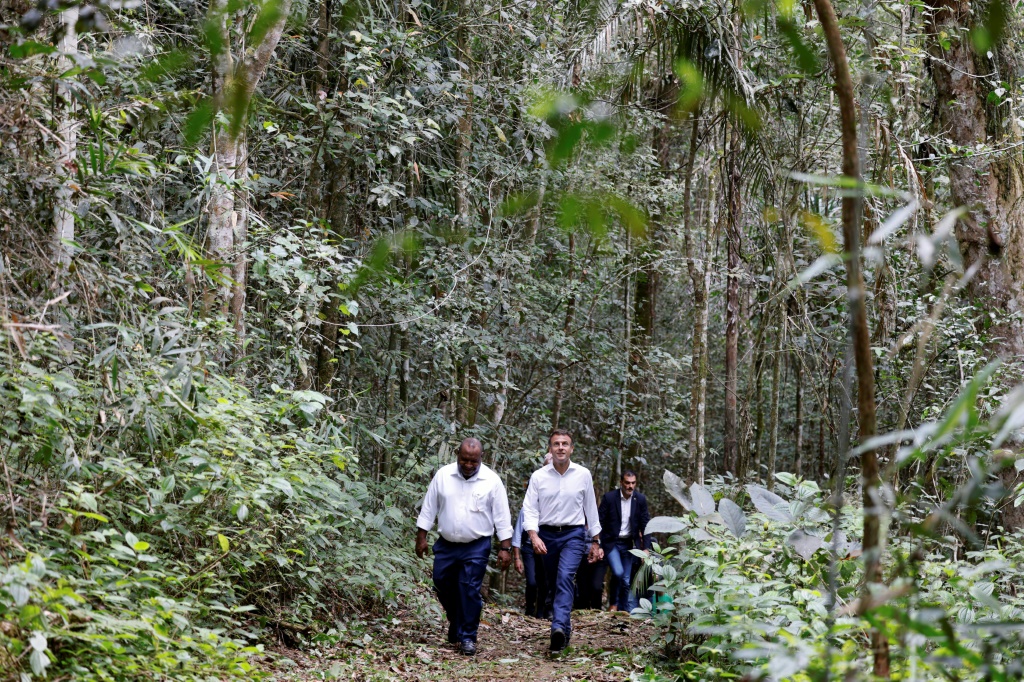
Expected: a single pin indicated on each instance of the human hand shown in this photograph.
(519, 565)
(504, 558)
(596, 554)
(538, 545)
(422, 549)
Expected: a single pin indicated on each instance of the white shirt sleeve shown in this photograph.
(531, 512)
(428, 511)
(500, 512)
(590, 508)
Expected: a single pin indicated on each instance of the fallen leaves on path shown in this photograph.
(605, 647)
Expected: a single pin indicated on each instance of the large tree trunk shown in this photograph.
(852, 216)
(989, 184)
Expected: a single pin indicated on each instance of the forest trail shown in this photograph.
(605, 647)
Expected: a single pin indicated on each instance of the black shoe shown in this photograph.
(468, 647)
(452, 638)
(558, 640)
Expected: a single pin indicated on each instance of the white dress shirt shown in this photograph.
(466, 509)
(554, 499)
(627, 507)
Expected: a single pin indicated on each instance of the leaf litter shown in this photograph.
(605, 647)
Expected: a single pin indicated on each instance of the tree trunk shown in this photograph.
(67, 148)
(988, 184)
(733, 237)
(798, 445)
(852, 214)
(234, 83)
(570, 313)
(699, 272)
(773, 415)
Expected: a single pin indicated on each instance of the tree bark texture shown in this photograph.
(234, 82)
(732, 301)
(852, 215)
(570, 314)
(988, 184)
(773, 414)
(67, 148)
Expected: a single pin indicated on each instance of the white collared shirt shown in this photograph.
(466, 509)
(627, 505)
(554, 499)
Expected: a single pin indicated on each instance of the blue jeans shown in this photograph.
(565, 551)
(459, 570)
(621, 562)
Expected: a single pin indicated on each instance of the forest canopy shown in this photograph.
(264, 264)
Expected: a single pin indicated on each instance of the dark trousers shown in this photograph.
(537, 602)
(459, 570)
(565, 550)
(589, 584)
(621, 562)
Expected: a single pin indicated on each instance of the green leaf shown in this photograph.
(30, 48)
(805, 58)
(224, 544)
(197, 122)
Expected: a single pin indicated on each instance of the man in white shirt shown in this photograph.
(470, 504)
(559, 512)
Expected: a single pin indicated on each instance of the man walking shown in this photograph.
(470, 504)
(559, 503)
(624, 516)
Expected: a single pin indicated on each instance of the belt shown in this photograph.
(559, 529)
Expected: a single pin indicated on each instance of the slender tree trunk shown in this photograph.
(759, 418)
(798, 445)
(570, 314)
(67, 148)
(465, 124)
(773, 415)
(732, 300)
(234, 82)
(699, 272)
(989, 185)
(852, 214)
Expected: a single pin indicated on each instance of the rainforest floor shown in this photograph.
(605, 647)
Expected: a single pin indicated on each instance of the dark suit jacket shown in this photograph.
(610, 515)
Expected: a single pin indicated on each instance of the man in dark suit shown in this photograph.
(624, 516)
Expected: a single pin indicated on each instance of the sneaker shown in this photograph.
(468, 647)
(558, 640)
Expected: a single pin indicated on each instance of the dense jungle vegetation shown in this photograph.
(264, 263)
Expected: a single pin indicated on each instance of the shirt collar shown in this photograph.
(572, 465)
(623, 497)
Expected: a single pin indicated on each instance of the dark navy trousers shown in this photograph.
(459, 570)
(565, 552)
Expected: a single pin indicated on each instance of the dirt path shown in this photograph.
(605, 647)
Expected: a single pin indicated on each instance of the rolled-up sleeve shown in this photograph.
(531, 513)
(500, 512)
(590, 507)
(428, 511)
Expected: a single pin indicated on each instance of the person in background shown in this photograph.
(624, 516)
(559, 502)
(470, 504)
(531, 568)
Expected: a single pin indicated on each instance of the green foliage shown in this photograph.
(172, 515)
